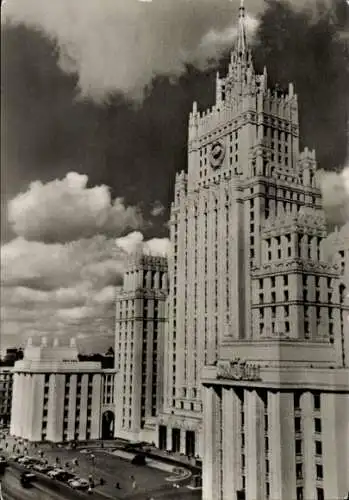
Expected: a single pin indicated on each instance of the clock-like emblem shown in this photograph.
(217, 154)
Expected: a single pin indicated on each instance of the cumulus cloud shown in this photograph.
(65, 289)
(120, 45)
(134, 242)
(158, 209)
(66, 210)
(335, 194)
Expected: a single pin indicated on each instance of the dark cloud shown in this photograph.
(46, 132)
(310, 48)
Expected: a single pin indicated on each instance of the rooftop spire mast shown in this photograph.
(242, 39)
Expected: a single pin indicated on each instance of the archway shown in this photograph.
(108, 419)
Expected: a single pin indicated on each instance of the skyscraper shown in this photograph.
(255, 299)
(141, 313)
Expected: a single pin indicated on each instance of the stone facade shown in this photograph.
(256, 375)
(141, 313)
(57, 398)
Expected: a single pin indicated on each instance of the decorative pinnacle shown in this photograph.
(242, 29)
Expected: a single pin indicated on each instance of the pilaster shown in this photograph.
(281, 458)
(96, 407)
(306, 403)
(232, 443)
(255, 449)
(212, 464)
(83, 407)
(72, 408)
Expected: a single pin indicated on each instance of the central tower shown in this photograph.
(246, 229)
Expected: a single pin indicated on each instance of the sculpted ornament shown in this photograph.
(217, 154)
(238, 370)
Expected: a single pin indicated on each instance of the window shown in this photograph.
(299, 471)
(317, 424)
(298, 446)
(317, 401)
(318, 448)
(297, 424)
(296, 400)
(319, 472)
(320, 494)
(299, 493)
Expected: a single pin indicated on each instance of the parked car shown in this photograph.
(54, 473)
(15, 458)
(43, 468)
(27, 478)
(79, 484)
(66, 476)
(139, 460)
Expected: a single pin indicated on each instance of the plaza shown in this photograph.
(107, 466)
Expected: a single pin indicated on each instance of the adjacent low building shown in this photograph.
(58, 398)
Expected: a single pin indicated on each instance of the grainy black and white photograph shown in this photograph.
(174, 250)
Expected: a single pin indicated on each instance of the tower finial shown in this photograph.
(241, 43)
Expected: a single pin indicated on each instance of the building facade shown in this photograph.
(256, 370)
(57, 398)
(255, 260)
(141, 313)
(6, 381)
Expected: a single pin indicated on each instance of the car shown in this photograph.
(79, 484)
(15, 458)
(27, 478)
(66, 476)
(42, 467)
(138, 460)
(54, 473)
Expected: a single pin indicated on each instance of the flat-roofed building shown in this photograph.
(57, 398)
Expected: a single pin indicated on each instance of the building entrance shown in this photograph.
(108, 425)
(176, 440)
(162, 437)
(190, 443)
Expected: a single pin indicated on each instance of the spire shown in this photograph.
(242, 41)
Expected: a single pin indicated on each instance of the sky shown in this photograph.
(95, 103)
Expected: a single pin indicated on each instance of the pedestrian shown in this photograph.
(101, 481)
(134, 485)
(6, 445)
(117, 486)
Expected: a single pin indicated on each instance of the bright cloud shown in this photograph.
(158, 209)
(66, 210)
(65, 289)
(335, 194)
(60, 274)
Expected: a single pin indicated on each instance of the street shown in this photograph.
(12, 490)
(138, 482)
